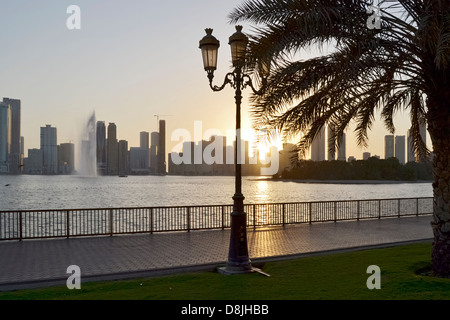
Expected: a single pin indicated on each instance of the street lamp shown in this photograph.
(238, 259)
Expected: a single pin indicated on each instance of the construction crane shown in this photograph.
(158, 116)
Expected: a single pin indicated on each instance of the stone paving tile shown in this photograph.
(48, 259)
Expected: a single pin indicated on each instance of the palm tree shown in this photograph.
(382, 60)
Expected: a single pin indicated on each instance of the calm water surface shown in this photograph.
(72, 192)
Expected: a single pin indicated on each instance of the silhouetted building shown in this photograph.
(154, 152)
(33, 163)
(389, 146)
(5, 136)
(400, 148)
(124, 162)
(15, 155)
(112, 161)
(342, 149)
(162, 148)
(318, 146)
(49, 149)
(366, 155)
(66, 158)
(101, 148)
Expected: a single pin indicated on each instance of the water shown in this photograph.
(73, 192)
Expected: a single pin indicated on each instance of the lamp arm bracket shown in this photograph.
(229, 79)
(250, 84)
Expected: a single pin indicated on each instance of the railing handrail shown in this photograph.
(66, 223)
(208, 205)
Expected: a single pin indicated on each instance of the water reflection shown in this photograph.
(262, 192)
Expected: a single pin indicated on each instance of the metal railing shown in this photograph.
(67, 223)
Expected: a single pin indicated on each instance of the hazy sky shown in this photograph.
(130, 61)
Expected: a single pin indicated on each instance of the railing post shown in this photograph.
(67, 225)
(223, 217)
(151, 220)
(379, 208)
(310, 212)
(20, 226)
(254, 216)
(284, 214)
(188, 219)
(110, 222)
(358, 209)
(398, 208)
(417, 207)
(335, 211)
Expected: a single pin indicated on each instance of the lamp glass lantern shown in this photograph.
(210, 49)
(238, 43)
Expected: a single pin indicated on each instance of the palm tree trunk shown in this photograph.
(438, 118)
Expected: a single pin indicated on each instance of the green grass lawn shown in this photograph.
(335, 276)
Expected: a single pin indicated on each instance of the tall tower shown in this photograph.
(410, 154)
(112, 162)
(342, 150)
(400, 148)
(162, 148)
(15, 156)
(318, 146)
(5, 136)
(49, 149)
(331, 150)
(388, 146)
(154, 152)
(101, 148)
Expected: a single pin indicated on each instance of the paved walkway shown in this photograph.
(38, 263)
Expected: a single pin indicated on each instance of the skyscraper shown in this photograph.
(154, 152)
(389, 146)
(342, 150)
(318, 146)
(162, 148)
(5, 136)
(66, 158)
(410, 153)
(124, 158)
(15, 156)
(49, 149)
(400, 148)
(101, 148)
(112, 162)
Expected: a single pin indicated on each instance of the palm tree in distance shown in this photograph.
(384, 58)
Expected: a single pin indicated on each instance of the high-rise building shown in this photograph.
(33, 164)
(112, 159)
(400, 148)
(410, 153)
(66, 158)
(49, 149)
(162, 148)
(389, 146)
(124, 158)
(366, 155)
(5, 136)
(101, 148)
(342, 149)
(15, 155)
(154, 152)
(318, 146)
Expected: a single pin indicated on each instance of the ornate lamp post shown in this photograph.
(238, 259)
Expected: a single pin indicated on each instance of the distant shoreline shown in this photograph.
(316, 181)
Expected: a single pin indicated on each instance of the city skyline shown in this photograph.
(62, 75)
